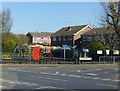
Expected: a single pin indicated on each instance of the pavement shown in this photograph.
(60, 77)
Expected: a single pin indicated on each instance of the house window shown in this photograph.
(45, 38)
(37, 38)
(84, 38)
(54, 38)
(69, 38)
(89, 38)
(97, 38)
(63, 38)
(59, 38)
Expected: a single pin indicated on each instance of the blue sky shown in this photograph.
(51, 16)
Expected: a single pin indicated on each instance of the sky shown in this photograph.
(51, 16)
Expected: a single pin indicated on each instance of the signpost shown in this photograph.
(65, 47)
(85, 50)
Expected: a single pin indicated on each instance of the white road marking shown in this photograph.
(57, 72)
(92, 74)
(71, 75)
(45, 73)
(115, 80)
(63, 74)
(106, 72)
(11, 82)
(107, 85)
(24, 71)
(25, 83)
(55, 79)
(36, 76)
(35, 84)
(48, 78)
(77, 76)
(2, 86)
(48, 87)
(116, 69)
(20, 83)
(98, 69)
(96, 78)
(87, 77)
(105, 79)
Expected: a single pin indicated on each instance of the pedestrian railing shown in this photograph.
(108, 59)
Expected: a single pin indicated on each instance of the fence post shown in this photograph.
(114, 60)
(99, 59)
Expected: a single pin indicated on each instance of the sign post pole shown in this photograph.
(64, 54)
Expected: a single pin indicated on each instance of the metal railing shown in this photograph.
(108, 59)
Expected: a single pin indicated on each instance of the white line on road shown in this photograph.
(55, 79)
(87, 77)
(106, 79)
(107, 85)
(48, 87)
(48, 78)
(96, 78)
(115, 80)
(2, 86)
(11, 82)
(36, 76)
(63, 74)
(92, 74)
(78, 76)
(98, 69)
(106, 72)
(20, 83)
(116, 69)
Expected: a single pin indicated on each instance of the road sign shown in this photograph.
(65, 47)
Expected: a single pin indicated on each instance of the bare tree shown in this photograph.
(110, 19)
(5, 21)
(107, 37)
(110, 16)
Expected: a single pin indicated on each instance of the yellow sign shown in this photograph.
(116, 52)
(99, 52)
(107, 52)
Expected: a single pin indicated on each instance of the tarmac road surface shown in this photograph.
(63, 77)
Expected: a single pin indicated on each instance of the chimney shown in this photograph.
(69, 28)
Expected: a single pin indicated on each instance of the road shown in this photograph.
(62, 77)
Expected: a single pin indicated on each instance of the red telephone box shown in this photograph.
(36, 53)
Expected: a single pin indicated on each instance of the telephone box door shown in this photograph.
(36, 53)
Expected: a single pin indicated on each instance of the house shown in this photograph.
(99, 35)
(41, 38)
(70, 35)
